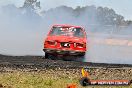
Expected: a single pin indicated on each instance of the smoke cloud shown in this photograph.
(22, 32)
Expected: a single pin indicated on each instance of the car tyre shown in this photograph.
(46, 55)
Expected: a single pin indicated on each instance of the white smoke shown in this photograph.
(23, 33)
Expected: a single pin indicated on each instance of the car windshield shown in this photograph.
(67, 31)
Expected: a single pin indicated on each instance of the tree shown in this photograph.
(31, 4)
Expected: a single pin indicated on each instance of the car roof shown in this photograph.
(66, 25)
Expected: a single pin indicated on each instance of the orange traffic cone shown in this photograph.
(71, 86)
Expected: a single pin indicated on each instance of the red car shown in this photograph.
(66, 40)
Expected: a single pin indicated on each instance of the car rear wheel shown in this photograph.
(81, 58)
(46, 55)
(50, 56)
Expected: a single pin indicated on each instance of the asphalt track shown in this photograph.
(39, 62)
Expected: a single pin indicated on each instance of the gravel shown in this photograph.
(40, 64)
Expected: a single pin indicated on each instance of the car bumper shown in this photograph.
(63, 52)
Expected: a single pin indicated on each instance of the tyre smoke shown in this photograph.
(22, 32)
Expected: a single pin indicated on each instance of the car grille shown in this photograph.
(65, 44)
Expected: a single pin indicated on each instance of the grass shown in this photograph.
(44, 79)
